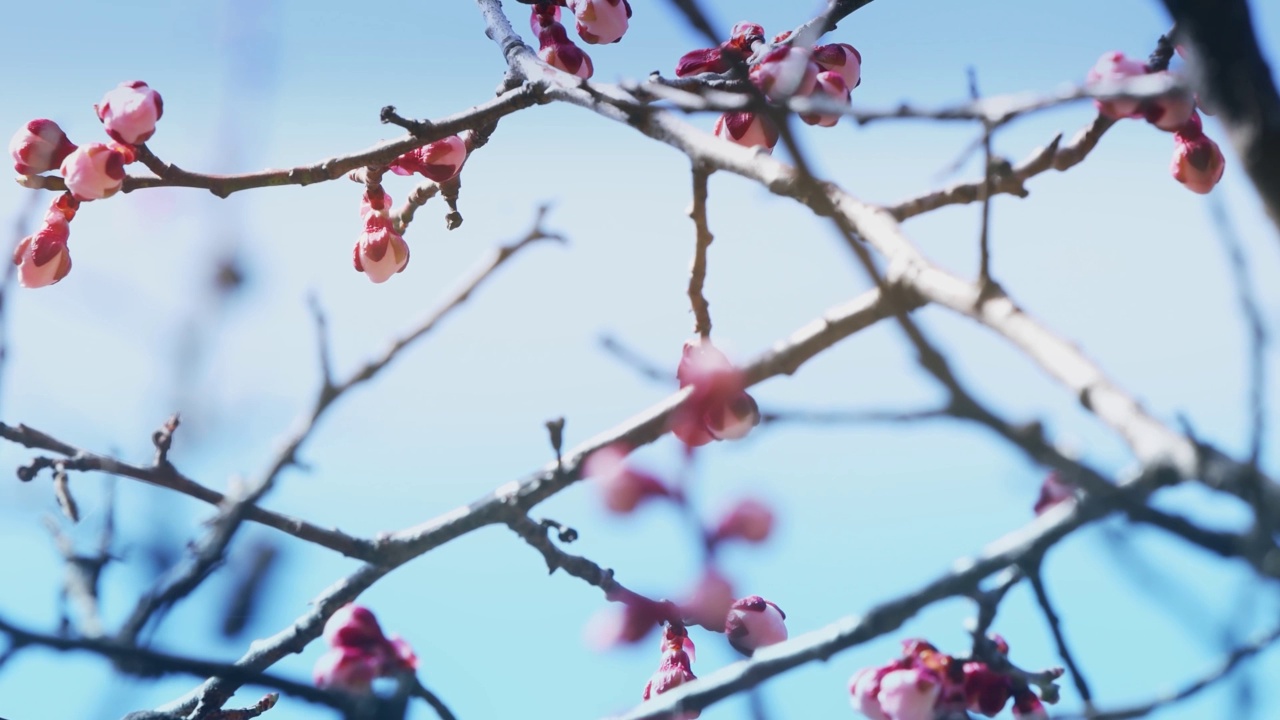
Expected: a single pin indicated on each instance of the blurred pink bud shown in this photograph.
(352, 625)
(346, 668)
(985, 690)
(719, 407)
(1001, 645)
(708, 605)
(631, 624)
(1170, 113)
(1114, 66)
(754, 622)
(130, 111)
(93, 172)
(707, 60)
(380, 252)
(1198, 163)
(43, 258)
(864, 689)
(623, 488)
(747, 129)
(785, 71)
(1026, 706)
(747, 33)
(750, 520)
(674, 670)
(439, 161)
(830, 85)
(600, 22)
(841, 58)
(909, 694)
(39, 146)
(1053, 490)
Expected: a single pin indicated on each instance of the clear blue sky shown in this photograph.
(1113, 254)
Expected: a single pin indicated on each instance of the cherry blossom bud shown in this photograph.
(750, 520)
(1198, 163)
(747, 129)
(830, 85)
(42, 258)
(1115, 66)
(130, 111)
(359, 652)
(374, 201)
(632, 624)
(1170, 113)
(754, 622)
(1053, 491)
(864, 689)
(93, 172)
(707, 60)
(439, 161)
(39, 146)
(600, 22)
(745, 36)
(909, 694)
(674, 670)
(719, 407)
(623, 488)
(841, 58)
(347, 668)
(352, 625)
(785, 71)
(708, 605)
(1026, 706)
(380, 252)
(985, 690)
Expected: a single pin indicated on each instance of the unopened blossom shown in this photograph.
(93, 171)
(786, 71)
(1114, 66)
(909, 694)
(742, 41)
(830, 85)
(374, 201)
(985, 690)
(708, 605)
(623, 487)
(747, 129)
(841, 58)
(39, 146)
(129, 112)
(753, 623)
(600, 22)
(438, 161)
(1198, 163)
(1053, 490)
(631, 624)
(674, 670)
(864, 691)
(380, 251)
(749, 520)
(718, 407)
(1026, 706)
(359, 652)
(42, 257)
(1170, 113)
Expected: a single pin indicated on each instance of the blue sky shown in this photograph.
(1114, 254)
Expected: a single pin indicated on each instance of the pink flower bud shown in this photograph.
(623, 488)
(747, 129)
(1170, 113)
(380, 252)
(1053, 491)
(785, 71)
(909, 694)
(719, 407)
(633, 623)
(830, 85)
(359, 652)
(39, 146)
(347, 668)
(985, 690)
(708, 605)
(841, 58)
(745, 36)
(864, 689)
(674, 670)
(707, 60)
(130, 111)
(43, 258)
(1115, 66)
(750, 520)
(1026, 706)
(1198, 163)
(93, 172)
(754, 622)
(600, 22)
(374, 201)
(352, 625)
(439, 161)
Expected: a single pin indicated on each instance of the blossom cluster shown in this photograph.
(924, 684)
(359, 653)
(93, 171)
(598, 22)
(828, 72)
(1197, 163)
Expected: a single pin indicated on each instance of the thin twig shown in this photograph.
(703, 238)
(1032, 567)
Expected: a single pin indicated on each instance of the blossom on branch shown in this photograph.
(841, 58)
(94, 171)
(439, 161)
(749, 520)
(623, 487)
(380, 251)
(359, 652)
(39, 146)
(555, 47)
(1114, 66)
(718, 407)
(600, 22)
(754, 622)
(43, 257)
(129, 112)
(674, 670)
(1198, 162)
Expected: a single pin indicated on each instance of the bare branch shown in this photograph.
(698, 272)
